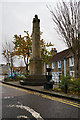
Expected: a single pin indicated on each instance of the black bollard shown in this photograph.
(66, 88)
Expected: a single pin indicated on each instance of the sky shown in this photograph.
(16, 16)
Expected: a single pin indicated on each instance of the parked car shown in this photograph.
(14, 74)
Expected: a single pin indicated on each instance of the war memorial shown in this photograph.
(36, 76)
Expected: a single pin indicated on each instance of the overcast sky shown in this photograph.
(17, 16)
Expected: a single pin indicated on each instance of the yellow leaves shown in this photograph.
(45, 53)
(8, 53)
(26, 31)
(49, 44)
(4, 51)
(42, 42)
(41, 33)
(22, 44)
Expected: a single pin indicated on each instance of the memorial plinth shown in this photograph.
(36, 76)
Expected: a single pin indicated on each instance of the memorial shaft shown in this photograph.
(36, 61)
(36, 38)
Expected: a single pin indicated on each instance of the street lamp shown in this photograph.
(27, 59)
(8, 64)
(48, 76)
(48, 85)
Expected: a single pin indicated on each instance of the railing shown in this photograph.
(56, 80)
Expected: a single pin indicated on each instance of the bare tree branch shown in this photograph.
(66, 18)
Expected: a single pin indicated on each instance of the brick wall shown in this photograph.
(68, 67)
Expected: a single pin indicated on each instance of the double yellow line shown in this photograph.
(46, 96)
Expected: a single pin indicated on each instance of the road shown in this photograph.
(20, 103)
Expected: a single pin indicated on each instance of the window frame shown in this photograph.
(73, 73)
(71, 61)
(53, 65)
(59, 64)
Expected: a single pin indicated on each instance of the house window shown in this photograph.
(71, 61)
(72, 73)
(53, 65)
(59, 76)
(59, 64)
(54, 76)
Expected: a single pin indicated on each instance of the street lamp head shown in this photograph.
(48, 69)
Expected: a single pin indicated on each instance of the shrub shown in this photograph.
(9, 78)
(76, 85)
(56, 89)
(73, 84)
(14, 78)
(65, 80)
(19, 77)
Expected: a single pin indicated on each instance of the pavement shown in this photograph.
(41, 89)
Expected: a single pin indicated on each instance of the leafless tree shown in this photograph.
(8, 53)
(66, 18)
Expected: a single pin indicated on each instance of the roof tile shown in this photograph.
(62, 55)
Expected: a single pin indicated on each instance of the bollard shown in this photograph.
(66, 88)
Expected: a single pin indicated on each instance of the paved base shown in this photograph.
(35, 80)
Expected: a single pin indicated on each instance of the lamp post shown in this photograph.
(48, 76)
(48, 85)
(8, 64)
(27, 59)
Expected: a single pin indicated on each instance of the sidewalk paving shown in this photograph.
(41, 89)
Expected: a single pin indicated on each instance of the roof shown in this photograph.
(62, 55)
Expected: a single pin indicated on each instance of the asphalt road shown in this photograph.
(20, 103)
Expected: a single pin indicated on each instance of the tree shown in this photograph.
(8, 54)
(66, 18)
(23, 47)
(45, 53)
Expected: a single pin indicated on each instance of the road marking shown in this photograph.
(8, 97)
(34, 113)
(22, 116)
(62, 101)
(46, 96)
